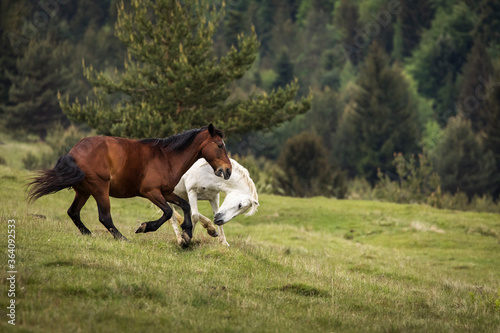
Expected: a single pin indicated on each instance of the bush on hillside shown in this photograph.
(306, 170)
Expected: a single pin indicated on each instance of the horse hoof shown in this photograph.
(213, 233)
(142, 228)
(185, 241)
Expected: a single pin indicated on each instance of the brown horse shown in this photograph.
(104, 166)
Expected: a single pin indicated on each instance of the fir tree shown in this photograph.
(380, 120)
(43, 69)
(284, 69)
(462, 161)
(440, 56)
(477, 74)
(414, 18)
(346, 19)
(233, 27)
(488, 23)
(304, 162)
(491, 130)
(172, 80)
(264, 24)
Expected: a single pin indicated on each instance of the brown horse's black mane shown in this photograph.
(179, 141)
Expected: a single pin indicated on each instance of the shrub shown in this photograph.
(31, 162)
(462, 162)
(360, 188)
(306, 170)
(415, 181)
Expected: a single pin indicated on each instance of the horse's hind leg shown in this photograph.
(74, 211)
(104, 208)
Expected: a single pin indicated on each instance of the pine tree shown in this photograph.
(346, 19)
(43, 69)
(488, 23)
(172, 81)
(306, 171)
(462, 161)
(380, 120)
(11, 45)
(233, 27)
(437, 61)
(284, 69)
(477, 71)
(414, 18)
(492, 129)
(264, 24)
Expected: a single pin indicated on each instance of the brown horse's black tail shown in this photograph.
(64, 175)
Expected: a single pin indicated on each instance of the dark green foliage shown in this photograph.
(443, 60)
(477, 77)
(8, 54)
(492, 131)
(415, 181)
(233, 27)
(346, 19)
(441, 54)
(284, 69)
(462, 161)
(264, 26)
(306, 171)
(379, 121)
(414, 18)
(488, 23)
(173, 82)
(324, 116)
(43, 70)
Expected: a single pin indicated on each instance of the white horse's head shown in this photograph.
(236, 203)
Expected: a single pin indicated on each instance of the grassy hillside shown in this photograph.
(316, 265)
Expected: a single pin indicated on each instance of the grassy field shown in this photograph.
(315, 265)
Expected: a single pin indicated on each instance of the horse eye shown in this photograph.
(239, 206)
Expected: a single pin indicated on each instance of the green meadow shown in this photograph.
(315, 265)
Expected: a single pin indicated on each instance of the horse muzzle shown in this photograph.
(219, 219)
(221, 172)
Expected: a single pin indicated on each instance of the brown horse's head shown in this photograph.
(214, 151)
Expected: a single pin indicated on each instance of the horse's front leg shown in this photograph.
(156, 197)
(207, 224)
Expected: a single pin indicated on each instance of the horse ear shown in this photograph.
(211, 129)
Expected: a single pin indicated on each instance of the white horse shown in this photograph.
(200, 183)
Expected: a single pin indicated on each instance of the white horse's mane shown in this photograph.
(245, 178)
